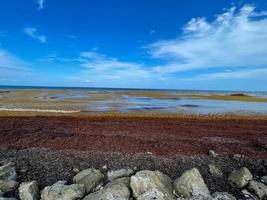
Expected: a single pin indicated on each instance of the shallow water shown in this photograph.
(125, 100)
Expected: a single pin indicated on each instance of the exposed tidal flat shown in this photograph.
(89, 100)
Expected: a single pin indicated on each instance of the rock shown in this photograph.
(191, 184)
(60, 191)
(240, 177)
(258, 188)
(29, 191)
(8, 185)
(264, 179)
(8, 172)
(214, 171)
(7, 198)
(247, 195)
(90, 178)
(213, 154)
(114, 190)
(153, 194)
(119, 174)
(223, 196)
(146, 180)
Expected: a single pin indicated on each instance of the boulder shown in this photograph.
(258, 188)
(153, 194)
(8, 185)
(29, 191)
(223, 196)
(264, 179)
(60, 191)
(247, 195)
(114, 190)
(215, 171)
(240, 177)
(191, 184)
(8, 172)
(90, 178)
(119, 174)
(146, 180)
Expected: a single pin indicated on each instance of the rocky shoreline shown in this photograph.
(45, 174)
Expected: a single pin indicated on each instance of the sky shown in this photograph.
(163, 44)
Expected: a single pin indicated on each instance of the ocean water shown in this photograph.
(66, 99)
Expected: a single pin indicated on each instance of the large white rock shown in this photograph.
(90, 178)
(240, 177)
(115, 190)
(28, 191)
(60, 191)
(258, 188)
(8, 172)
(119, 174)
(191, 184)
(146, 180)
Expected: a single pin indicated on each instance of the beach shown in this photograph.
(64, 130)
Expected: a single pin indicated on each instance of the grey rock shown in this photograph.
(146, 180)
(114, 190)
(215, 171)
(191, 184)
(240, 177)
(8, 185)
(264, 179)
(153, 194)
(90, 178)
(258, 188)
(247, 195)
(213, 154)
(223, 196)
(119, 174)
(29, 191)
(60, 191)
(8, 172)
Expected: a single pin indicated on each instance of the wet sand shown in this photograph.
(161, 136)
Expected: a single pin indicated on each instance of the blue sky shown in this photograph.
(185, 44)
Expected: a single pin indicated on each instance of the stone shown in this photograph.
(153, 194)
(119, 174)
(264, 179)
(114, 190)
(90, 178)
(247, 195)
(240, 177)
(61, 191)
(146, 180)
(8, 172)
(223, 196)
(213, 154)
(8, 185)
(191, 184)
(215, 171)
(258, 188)
(29, 191)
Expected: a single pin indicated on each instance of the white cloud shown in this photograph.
(40, 4)
(31, 31)
(11, 66)
(228, 74)
(234, 39)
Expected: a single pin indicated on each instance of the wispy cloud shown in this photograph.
(40, 4)
(11, 66)
(31, 31)
(235, 39)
